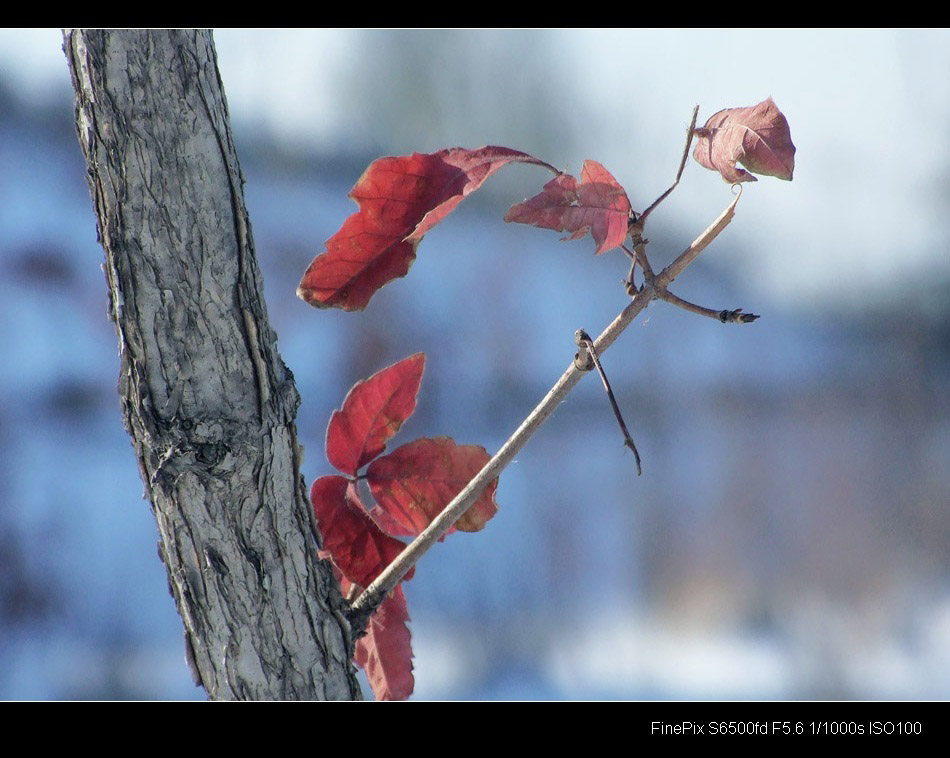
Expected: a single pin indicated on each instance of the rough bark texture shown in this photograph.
(207, 400)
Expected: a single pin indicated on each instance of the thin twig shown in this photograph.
(583, 340)
(725, 316)
(637, 221)
(679, 174)
(639, 256)
(629, 284)
(676, 268)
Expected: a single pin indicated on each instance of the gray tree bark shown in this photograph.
(205, 397)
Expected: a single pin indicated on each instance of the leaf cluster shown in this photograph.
(400, 199)
(410, 486)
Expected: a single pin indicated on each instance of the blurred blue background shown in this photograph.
(790, 533)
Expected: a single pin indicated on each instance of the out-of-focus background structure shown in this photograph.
(789, 537)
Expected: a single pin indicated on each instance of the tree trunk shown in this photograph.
(205, 397)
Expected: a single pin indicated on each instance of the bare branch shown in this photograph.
(637, 221)
(699, 244)
(725, 316)
(679, 174)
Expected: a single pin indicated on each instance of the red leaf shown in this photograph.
(416, 481)
(598, 205)
(397, 527)
(385, 653)
(757, 137)
(394, 526)
(358, 547)
(372, 413)
(400, 199)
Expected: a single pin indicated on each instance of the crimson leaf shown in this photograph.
(417, 480)
(357, 546)
(412, 485)
(372, 413)
(400, 199)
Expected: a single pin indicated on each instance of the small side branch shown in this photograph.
(639, 256)
(679, 174)
(725, 316)
(676, 268)
(584, 342)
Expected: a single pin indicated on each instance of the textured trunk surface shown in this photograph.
(207, 400)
